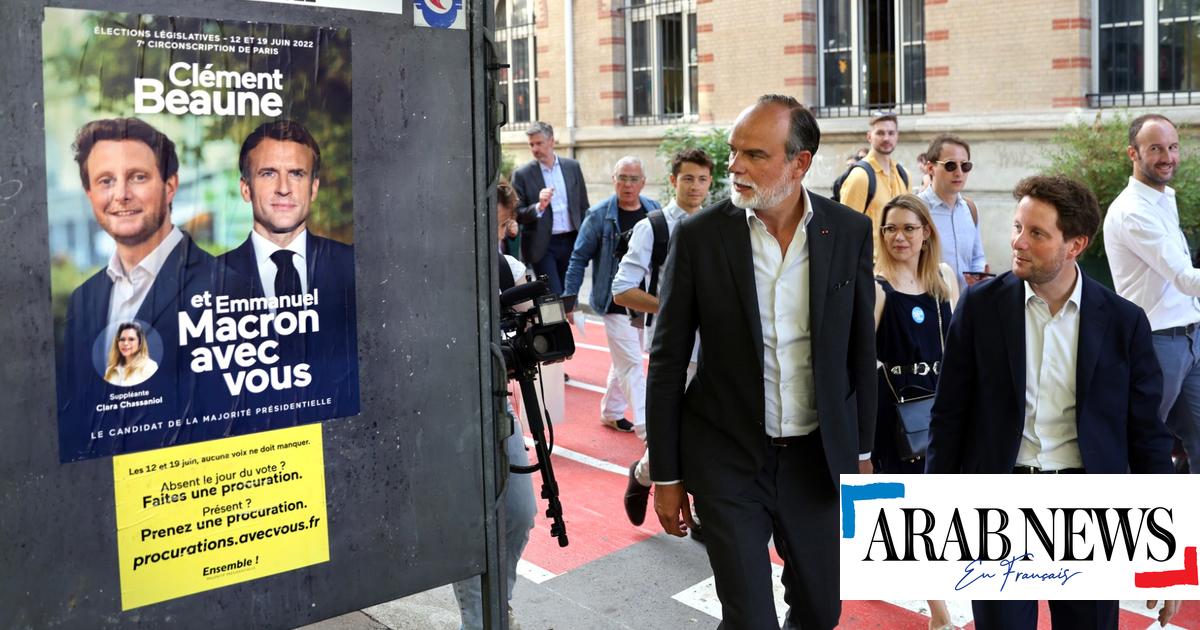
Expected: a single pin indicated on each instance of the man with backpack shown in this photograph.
(636, 284)
(596, 244)
(872, 181)
(956, 218)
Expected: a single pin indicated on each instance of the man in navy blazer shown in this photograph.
(1047, 371)
(280, 166)
(129, 172)
(553, 200)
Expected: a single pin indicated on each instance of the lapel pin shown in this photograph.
(824, 232)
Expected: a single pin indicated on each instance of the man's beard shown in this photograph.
(763, 197)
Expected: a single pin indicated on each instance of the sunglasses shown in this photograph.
(952, 166)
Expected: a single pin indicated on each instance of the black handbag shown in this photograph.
(912, 413)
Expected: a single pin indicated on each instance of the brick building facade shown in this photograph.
(1004, 76)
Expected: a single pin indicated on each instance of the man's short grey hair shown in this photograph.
(803, 132)
(628, 159)
(539, 127)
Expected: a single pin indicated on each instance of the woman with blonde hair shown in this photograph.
(914, 297)
(129, 361)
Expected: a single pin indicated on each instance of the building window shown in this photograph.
(1146, 52)
(872, 56)
(661, 58)
(517, 46)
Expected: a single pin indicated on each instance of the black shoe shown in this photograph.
(697, 531)
(636, 498)
(622, 425)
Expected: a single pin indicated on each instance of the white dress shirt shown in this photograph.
(266, 267)
(782, 283)
(1149, 257)
(130, 289)
(1050, 440)
(635, 264)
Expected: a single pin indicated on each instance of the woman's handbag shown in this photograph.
(912, 413)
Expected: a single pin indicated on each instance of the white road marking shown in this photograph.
(533, 572)
(587, 460)
(585, 386)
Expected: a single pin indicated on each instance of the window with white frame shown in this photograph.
(872, 56)
(1146, 47)
(661, 60)
(517, 46)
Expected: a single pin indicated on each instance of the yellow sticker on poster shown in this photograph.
(202, 516)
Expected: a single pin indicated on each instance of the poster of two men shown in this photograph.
(201, 228)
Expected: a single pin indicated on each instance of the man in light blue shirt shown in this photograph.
(553, 198)
(954, 216)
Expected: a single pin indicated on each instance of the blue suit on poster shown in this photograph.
(87, 428)
(331, 352)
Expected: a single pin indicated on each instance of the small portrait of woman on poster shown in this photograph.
(129, 361)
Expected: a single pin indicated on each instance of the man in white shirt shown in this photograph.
(778, 282)
(1049, 350)
(635, 285)
(1152, 267)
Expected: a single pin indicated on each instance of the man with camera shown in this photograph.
(597, 244)
(636, 284)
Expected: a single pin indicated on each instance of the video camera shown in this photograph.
(538, 335)
(530, 338)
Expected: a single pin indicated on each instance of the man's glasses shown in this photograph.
(952, 166)
(890, 230)
(628, 179)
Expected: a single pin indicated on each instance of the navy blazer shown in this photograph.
(528, 182)
(979, 412)
(331, 352)
(84, 430)
(712, 437)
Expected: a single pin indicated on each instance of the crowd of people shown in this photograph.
(823, 322)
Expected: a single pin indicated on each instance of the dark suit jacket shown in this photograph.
(712, 437)
(528, 182)
(979, 413)
(331, 352)
(187, 271)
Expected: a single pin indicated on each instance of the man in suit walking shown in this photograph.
(280, 165)
(778, 282)
(129, 171)
(1047, 371)
(555, 198)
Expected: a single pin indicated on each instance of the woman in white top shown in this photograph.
(129, 361)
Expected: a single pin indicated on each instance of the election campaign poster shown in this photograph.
(200, 205)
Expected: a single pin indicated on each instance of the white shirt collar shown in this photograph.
(264, 248)
(549, 169)
(1076, 293)
(152, 263)
(1149, 194)
(673, 211)
(752, 216)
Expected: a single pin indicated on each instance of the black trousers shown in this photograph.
(1064, 615)
(793, 499)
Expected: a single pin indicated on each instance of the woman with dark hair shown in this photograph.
(914, 296)
(129, 361)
